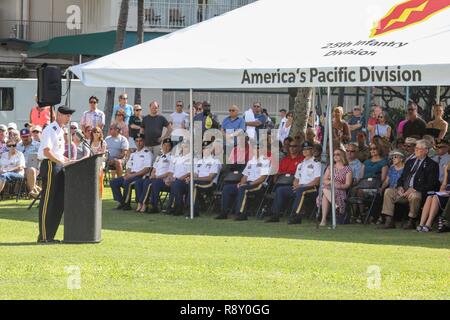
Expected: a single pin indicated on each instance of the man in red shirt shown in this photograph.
(289, 163)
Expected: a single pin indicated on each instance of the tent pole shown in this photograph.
(313, 108)
(438, 94)
(330, 141)
(407, 97)
(367, 110)
(191, 143)
(323, 159)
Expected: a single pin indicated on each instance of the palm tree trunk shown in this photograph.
(120, 39)
(301, 108)
(140, 39)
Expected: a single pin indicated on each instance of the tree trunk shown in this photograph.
(301, 109)
(140, 39)
(120, 39)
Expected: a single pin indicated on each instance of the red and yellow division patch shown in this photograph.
(407, 14)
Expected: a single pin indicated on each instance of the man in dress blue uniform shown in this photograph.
(51, 153)
(151, 186)
(307, 179)
(138, 166)
(206, 174)
(254, 175)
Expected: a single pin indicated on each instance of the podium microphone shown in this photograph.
(81, 137)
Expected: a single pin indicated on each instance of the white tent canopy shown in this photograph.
(292, 43)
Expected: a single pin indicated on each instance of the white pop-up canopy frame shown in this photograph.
(292, 43)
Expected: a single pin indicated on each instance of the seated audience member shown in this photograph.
(354, 163)
(179, 178)
(442, 157)
(239, 157)
(343, 181)
(438, 124)
(311, 136)
(434, 203)
(87, 132)
(137, 166)
(206, 174)
(399, 144)
(317, 152)
(96, 142)
(375, 172)
(288, 165)
(151, 186)
(395, 170)
(444, 219)
(81, 151)
(284, 148)
(432, 143)
(12, 164)
(36, 133)
(3, 138)
(384, 145)
(419, 176)
(13, 134)
(307, 179)
(30, 148)
(376, 166)
(364, 152)
(382, 128)
(410, 145)
(415, 125)
(254, 175)
(117, 148)
(72, 154)
(120, 122)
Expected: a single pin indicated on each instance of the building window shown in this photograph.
(6, 99)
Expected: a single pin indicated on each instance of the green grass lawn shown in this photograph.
(165, 257)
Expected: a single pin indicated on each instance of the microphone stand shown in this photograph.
(84, 142)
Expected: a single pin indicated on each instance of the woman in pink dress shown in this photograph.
(343, 181)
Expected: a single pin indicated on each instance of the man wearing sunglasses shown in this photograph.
(415, 126)
(233, 126)
(94, 117)
(357, 122)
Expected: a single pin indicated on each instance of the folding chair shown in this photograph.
(370, 189)
(256, 194)
(228, 178)
(269, 194)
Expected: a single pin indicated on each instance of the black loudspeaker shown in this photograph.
(49, 85)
